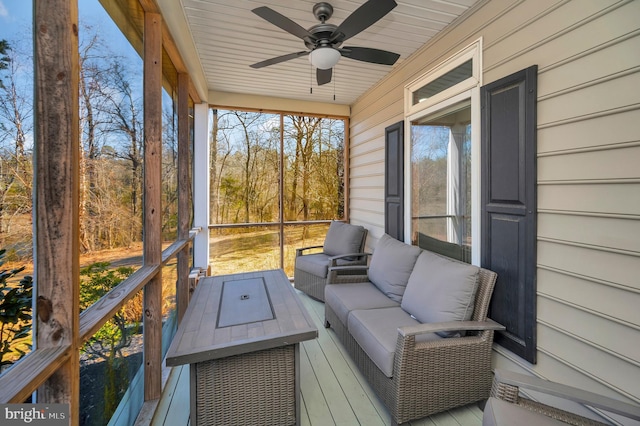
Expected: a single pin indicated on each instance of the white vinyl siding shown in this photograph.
(588, 130)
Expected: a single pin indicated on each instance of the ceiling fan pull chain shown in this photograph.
(334, 84)
(310, 79)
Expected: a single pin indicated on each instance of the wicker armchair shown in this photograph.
(507, 406)
(343, 246)
(429, 376)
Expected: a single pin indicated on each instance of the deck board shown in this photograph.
(333, 391)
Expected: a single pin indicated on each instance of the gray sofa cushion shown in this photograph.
(343, 238)
(315, 263)
(441, 290)
(344, 298)
(376, 331)
(501, 413)
(391, 266)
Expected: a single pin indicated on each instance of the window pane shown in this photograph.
(16, 178)
(301, 236)
(442, 83)
(244, 167)
(244, 249)
(271, 170)
(169, 167)
(313, 168)
(111, 372)
(169, 310)
(441, 182)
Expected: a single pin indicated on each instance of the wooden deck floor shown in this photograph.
(333, 390)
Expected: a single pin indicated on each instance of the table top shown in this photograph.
(201, 336)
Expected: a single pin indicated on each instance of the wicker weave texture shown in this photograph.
(257, 388)
(310, 284)
(313, 285)
(511, 394)
(430, 377)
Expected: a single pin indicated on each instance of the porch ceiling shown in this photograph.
(219, 39)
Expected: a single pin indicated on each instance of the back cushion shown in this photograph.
(343, 238)
(441, 290)
(391, 266)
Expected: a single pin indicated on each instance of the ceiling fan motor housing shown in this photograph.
(322, 11)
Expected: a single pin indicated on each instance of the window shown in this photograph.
(444, 82)
(442, 110)
(277, 180)
(441, 172)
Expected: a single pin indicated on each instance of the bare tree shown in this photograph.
(15, 157)
(95, 63)
(123, 111)
(304, 135)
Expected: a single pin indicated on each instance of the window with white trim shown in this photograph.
(442, 122)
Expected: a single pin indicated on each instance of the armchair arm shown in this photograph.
(567, 392)
(348, 274)
(299, 251)
(415, 330)
(334, 259)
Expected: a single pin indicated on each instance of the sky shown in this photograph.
(16, 27)
(16, 22)
(15, 18)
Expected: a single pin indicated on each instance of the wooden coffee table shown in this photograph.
(241, 336)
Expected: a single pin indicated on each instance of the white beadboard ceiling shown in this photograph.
(228, 37)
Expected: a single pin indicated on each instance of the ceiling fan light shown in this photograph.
(324, 58)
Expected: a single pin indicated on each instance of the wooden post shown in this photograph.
(184, 190)
(152, 200)
(56, 150)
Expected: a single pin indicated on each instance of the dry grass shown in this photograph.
(232, 251)
(254, 249)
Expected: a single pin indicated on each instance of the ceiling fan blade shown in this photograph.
(279, 59)
(362, 18)
(283, 22)
(323, 76)
(367, 54)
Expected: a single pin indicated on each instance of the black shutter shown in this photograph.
(394, 181)
(509, 206)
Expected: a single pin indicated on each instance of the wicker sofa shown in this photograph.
(417, 327)
(343, 246)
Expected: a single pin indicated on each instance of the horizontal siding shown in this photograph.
(601, 298)
(596, 231)
(588, 174)
(591, 165)
(592, 134)
(591, 261)
(603, 198)
(578, 321)
(582, 355)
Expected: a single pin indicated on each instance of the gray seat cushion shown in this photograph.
(316, 264)
(343, 238)
(376, 331)
(391, 266)
(441, 290)
(344, 298)
(501, 413)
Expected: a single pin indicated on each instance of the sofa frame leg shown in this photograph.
(326, 324)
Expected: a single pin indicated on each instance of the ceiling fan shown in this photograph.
(324, 40)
